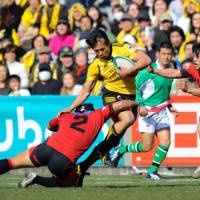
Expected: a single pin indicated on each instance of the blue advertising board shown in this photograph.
(23, 121)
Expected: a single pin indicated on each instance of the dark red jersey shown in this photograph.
(76, 132)
(191, 71)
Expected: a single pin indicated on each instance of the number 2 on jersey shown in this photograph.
(79, 120)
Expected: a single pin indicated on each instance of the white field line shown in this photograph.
(128, 181)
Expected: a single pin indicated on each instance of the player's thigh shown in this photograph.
(162, 120)
(41, 154)
(59, 164)
(164, 136)
(163, 128)
(147, 140)
(146, 125)
(22, 160)
(127, 117)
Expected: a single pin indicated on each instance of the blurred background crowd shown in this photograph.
(43, 46)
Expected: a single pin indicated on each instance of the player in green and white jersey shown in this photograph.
(152, 91)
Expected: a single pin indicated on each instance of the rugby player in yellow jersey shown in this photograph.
(116, 87)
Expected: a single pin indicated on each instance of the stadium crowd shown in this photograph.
(43, 48)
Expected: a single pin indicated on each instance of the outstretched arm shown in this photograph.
(169, 73)
(83, 95)
(193, 91)
(123, 105)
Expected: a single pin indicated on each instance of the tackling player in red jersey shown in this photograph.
(74, 136)
(75, 132)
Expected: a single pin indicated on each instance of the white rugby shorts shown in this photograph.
(155, 122)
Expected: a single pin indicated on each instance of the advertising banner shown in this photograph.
(23, 122)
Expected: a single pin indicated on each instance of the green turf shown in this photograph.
(131, 187)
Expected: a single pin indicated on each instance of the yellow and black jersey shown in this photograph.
(104, 68)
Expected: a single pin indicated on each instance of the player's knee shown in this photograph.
(147, 146)
(165, 142)
(128, 119)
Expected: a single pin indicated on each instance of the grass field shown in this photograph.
(100, 187)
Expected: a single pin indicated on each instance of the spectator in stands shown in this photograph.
(128, 31)
(4, 74)
(52, 12)
(46, 84)
(81, 62)
(147, 40)
(65, 61)
(76, 12)
(176, 10)
(30, 58)
(143, 22)
(29, 25)
(5, 41)
(113, 3)
(86, 24)
(14, 82)
(16, 67)
(63, 37)
(134, 10)
(162, 30)
(190, 7)
(10, 15)
(22, 3)
(97, 17)
(177, 38)
(140, 3)
(44, 56)
(118, 12)
(194, 28)
(159, 8)
(70, 86)
(188, 50)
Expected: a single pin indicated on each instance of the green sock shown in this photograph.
(159, 156)
(134, 147)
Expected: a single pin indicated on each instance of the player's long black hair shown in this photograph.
(95, 36)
